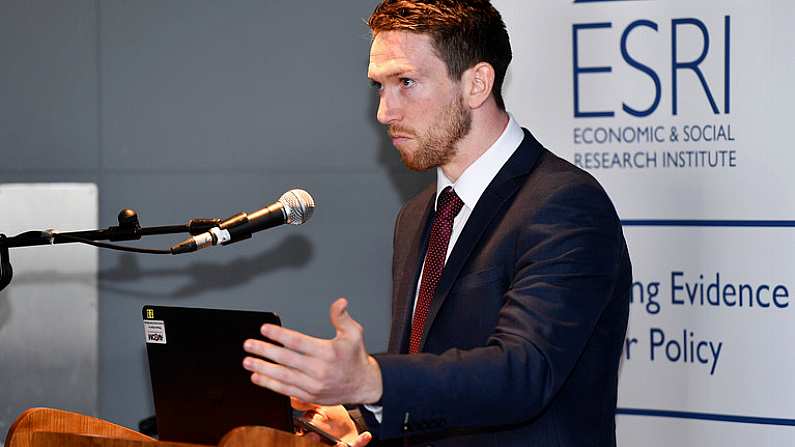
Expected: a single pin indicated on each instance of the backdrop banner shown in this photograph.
(680, 109)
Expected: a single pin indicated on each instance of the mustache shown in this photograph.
(398, 131)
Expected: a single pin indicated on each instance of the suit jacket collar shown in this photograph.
(417, 217)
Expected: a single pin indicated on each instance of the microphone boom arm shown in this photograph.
(294, 207)
(128, 230)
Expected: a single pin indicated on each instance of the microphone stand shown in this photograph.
(128, 229)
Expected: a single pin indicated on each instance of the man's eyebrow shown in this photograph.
(396, 73)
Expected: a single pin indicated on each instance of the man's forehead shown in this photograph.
(400, 51)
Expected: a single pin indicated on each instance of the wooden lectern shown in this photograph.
(47, 427)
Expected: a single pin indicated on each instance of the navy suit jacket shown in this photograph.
(523, 340)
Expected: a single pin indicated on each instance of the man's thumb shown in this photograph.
(339, 316)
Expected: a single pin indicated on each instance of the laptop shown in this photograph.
(200, 388)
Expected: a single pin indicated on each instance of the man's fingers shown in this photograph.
(279, 387)
(361, 440)
(338, 314)
(317, 417)
(316, 367)
(281, 355)
(294, 340)
(283, 375)
(300, 405)
(342, 320)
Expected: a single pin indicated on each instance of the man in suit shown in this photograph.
(511, 277)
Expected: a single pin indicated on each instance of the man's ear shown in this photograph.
(478, 84)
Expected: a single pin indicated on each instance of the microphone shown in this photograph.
(294, 207)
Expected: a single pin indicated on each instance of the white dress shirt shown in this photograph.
(469, 187)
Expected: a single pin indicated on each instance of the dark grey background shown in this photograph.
(188, 108)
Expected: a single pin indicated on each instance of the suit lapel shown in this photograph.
(494, 198)
(412, 236)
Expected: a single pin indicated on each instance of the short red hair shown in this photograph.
(464, 33)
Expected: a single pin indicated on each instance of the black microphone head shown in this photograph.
(298, 206)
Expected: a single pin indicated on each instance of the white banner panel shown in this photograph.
(679, 108)
(48, 314)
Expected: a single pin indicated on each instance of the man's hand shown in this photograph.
(328, 372)
(334, 420)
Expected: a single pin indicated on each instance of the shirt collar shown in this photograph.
(476, 178)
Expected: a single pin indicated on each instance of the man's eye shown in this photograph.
(406, 82)
(376, 85)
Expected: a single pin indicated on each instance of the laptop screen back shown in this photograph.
(200, 388)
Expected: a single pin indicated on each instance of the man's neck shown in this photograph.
(486, 129)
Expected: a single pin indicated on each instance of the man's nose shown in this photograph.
(388, 111)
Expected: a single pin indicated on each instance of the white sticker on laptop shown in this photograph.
(155, 331)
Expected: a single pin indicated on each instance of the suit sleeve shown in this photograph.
(565, 269)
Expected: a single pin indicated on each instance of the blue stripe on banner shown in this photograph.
(708, 223)
(705, 416)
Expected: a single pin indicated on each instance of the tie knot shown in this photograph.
(449, 204)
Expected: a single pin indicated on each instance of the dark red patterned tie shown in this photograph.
(447, 208)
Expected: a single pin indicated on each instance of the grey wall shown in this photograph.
(188, 108)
